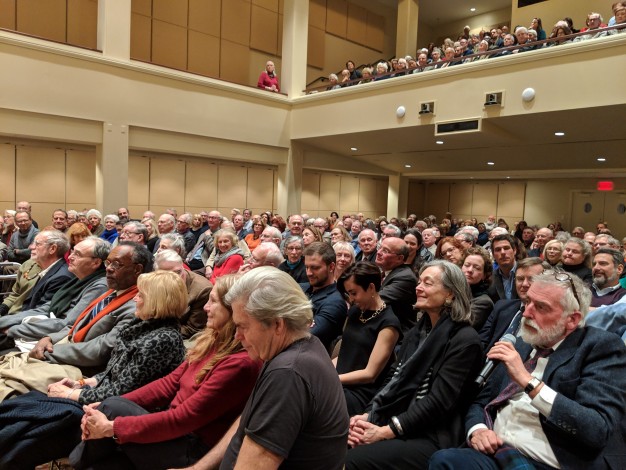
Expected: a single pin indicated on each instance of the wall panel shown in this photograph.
(349, 194)
(367, 195)
(171, 12)
(169, 45)
(140, 37)
(511, 201)
(461, 199)
(138, 181)
(357, 24)
(316, 56)
(485, 200)
(167, 182)
(375, 31)
(236, 21)
(7, 163)
(205, 16)
(310, 192)
(231, 188)
(317, 14)
(143, 7)
(204, 54)
(40, 175)
(201, 184)
(82, 23)
(330, 192)
(46, 19)
(271, 5)
(382, 192)
(264, 29)
(260, 183)
(7, 14)
(337, 17)
(437, 199)
(80, 177)
(234, 64)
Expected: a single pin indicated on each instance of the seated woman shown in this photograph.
(418, 253)
(174, 241)
(279, 223)
(422, 404)
(229, 257)
(477, 268)
(552, 252)
(76, 233)
(311, 234)
(344, 253)
(371, 332)
(153, 233)
(196, 226)
(294, 262)
(172, 422)
(149, 348)
(254, 239)
(94, 217)
(576, 259)
(110, 229)
(339, 234)
(450, 249)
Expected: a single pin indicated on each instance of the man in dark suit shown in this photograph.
(558, 397)
(48, 250)
(399, 282)
(504, 252)
(506, 315)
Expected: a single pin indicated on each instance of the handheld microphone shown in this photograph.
(491, 364)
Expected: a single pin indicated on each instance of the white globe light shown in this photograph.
(528, 94)
(401, 111)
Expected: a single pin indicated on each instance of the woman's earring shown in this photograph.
(448, 302)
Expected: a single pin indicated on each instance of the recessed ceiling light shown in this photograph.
(354, 149)
(490, 163)
(439, 142)
(559, 134)
(472, 9)
(601, 159)
(407, 166)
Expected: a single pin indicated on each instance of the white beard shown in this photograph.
(542, 336)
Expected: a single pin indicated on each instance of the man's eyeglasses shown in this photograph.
(114, 265)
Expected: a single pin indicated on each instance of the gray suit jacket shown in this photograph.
(398, 291)
(588, 372)
(47, 326)
(92, 354)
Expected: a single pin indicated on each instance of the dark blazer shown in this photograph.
(398, 291)
(298, 273)
(496, 289)
(498, 322)
(588, 372)
(47, 286)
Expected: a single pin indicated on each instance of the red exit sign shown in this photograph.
(605, 185)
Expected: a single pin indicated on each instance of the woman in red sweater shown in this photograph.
(174, 421)
(229, 257)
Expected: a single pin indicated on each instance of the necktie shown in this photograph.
(100, 306)
(513, 388)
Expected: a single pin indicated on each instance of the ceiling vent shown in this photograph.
(458, 127)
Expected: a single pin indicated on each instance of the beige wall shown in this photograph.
(453, 29)
(324, 192)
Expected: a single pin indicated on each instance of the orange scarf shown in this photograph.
(113, 305)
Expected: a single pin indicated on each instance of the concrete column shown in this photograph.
(397, 195)
(112, 168)
(406, 36)
(294, 53)
(114, 28)
(289, 195)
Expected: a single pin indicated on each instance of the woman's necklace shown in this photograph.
(374, 315)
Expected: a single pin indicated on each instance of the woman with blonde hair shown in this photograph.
(76, 233)
(153, 233)
(552, 252)
(311, 234)
(174, 421)
(228, 257)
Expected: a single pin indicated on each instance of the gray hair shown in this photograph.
(269, 294)
(345, 246)
(166, 256)
(586, 248)
(72, 213)
(333, 76)
(364, 230)
(396, 230)
(568, 301)
(187, 217)
(454, 280)
(101, 248)
(140, 228)
(294, 239)
(273, 231)
(273, 255)
(59, 239)
(226, 232)
(112, 217)
(471, 230)
(178, 243)
(95, 212)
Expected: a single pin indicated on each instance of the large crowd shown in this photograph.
(470, 47)
(203, 340)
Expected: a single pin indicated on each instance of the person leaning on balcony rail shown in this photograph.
(268, 80)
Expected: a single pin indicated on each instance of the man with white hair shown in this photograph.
(271, 234)
(531, 411)
(183, 227)
(367, 244)
(266, 254)
(430, 240)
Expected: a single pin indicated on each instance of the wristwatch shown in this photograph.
(532, 384)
